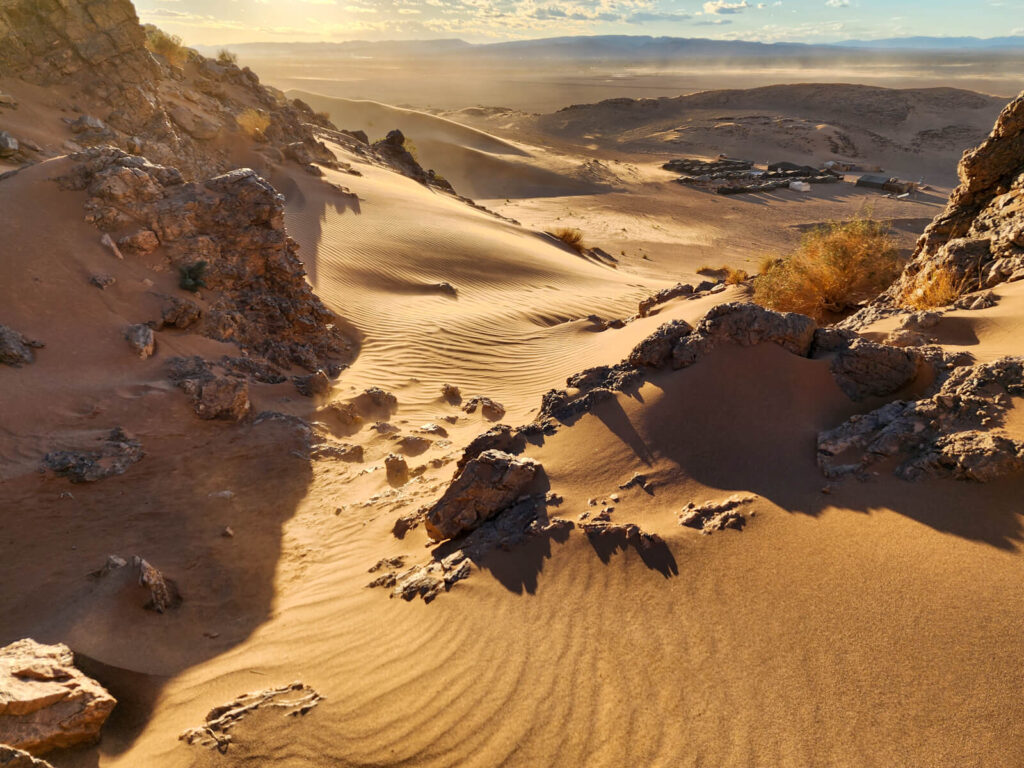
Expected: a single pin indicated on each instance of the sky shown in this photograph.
(214, 22)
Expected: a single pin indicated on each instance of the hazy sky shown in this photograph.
(230, 21)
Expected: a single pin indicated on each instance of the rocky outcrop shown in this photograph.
(15, 349)
(487, 485)
(46, 703)
(296, 700)
(227, 236)
(957, 433)
(489, 409)
(978, 241)
(216, 393)
(393, 151)
(183, 112)
(714, 516)
(163, 592)
(115, 455)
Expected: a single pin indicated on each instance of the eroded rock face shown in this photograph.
(978, 241)
(16, 758)
(113, 457)
(214, 396)
(228, 235)
(955, 433)
(486, 486)
(45, 702)
(863, 368)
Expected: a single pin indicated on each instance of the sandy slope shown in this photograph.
(874, 626)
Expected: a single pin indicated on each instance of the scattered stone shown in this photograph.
(397, 469)
(228, 532)
(451, 394)
(117, 453)
(486, 486)
(715, 515)
(296, 700)
(102, 281)
(46, 703)
(433, 429)
(15, 349)
(490, 409)
(141, 339)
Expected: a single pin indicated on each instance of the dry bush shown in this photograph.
(736, 276)
(226, 57)
(834, 268)
(942, 287)
(253, 123)
(707, 269)
(168, 46)
(571, 237)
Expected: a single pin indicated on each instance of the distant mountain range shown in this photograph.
(633, 47)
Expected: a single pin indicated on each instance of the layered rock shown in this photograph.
(143, 102)
(46, 703)
(487, 485)
(978, 241)
(225, 235)
(16, 758)
(959, 432)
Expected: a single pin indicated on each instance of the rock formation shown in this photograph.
(45, 702)
(487, 485)
(15, 349)
(225, 235)
(138, 99)
(16, 758)
(114, 456)
(296, 699)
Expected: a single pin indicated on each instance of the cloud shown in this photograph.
(724, 6)
(712, 23)
(837, 3)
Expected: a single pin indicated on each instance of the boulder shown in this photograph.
(46, 703)
(486, 486)
(8, 144)
(490, 409)
(15, 349)
(864, 369)
(140, 338)
(179, 313)
(223, 397)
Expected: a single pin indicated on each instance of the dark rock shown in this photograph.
(489, 408)
(140, 338)
(15, 349)
(113, 457)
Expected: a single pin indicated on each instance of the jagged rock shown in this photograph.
(342, 452)
(715, 515)
(179, 313)
(359, 136)
(976, 301)
(163, 593)
(346, 414)
(253, 368)
(102, 281)
(397, 469)
(413, 445)
(489, 408)
(630, 532)
(864, 368)
(143, 241)
(87, 123)
(500, 437)
(117, 453)
(316, 383)
(46, 703)
(8, 144)
(296, 699)
(15, 758)
(955, 433)
(377, 399)
(213, 397)
(667, 294)
(656, 350)
(976, 242)
(486, 485)
(141, 339)
(233, 225)
(451, 394)
(15, 349)
(430, 428)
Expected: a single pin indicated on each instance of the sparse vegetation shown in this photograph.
(707, 269)
(226, 57)
(163, 44)
(191, 276)
(253, 122)
(834, 268)
(736, 276)
(571, 236)
(940, 288)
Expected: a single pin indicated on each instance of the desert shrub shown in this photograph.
(168, 46)
(226, 57)
(707, 269)
(735, 276)
(939, 288)
(253, 122)
(834, 268)
(191, 276)
(571, 237)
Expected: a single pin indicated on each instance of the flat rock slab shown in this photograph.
(45, 702)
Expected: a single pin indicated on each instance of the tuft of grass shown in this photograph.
(707, 269)
(253, 122)
(736, 276)
(833, 270)
(191, 276)
(571, 236)
(166, 45)
(226, 57)
(940, 288)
